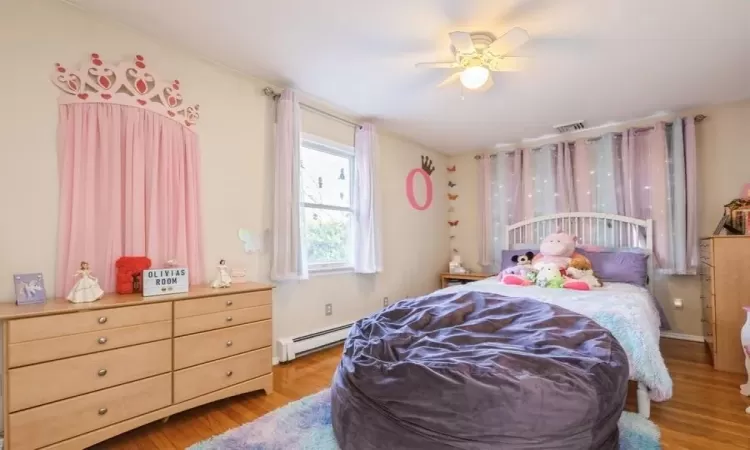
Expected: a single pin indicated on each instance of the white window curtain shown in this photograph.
(368, 255)
(288, 257)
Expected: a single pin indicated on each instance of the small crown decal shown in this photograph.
(427, 165)
(127, 83)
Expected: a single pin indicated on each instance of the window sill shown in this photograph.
(322, 271)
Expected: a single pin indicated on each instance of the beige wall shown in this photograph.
(235, 132)
(723, 146)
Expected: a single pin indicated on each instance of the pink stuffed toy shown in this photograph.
(557, 248)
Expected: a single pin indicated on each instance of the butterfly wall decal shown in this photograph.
(451, 184)
(452, 196)
(453, 237)
(452, 168)
(453, 223)
(451, 209)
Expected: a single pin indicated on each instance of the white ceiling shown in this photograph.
(596, 60)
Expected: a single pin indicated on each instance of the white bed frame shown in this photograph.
(606, 230)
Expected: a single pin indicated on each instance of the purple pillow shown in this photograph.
(619, 267)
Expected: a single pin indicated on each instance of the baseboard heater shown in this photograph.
(295, 346)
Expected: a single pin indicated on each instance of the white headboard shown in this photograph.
(598, 229)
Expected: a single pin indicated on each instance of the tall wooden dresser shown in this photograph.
(77, 374)
(725, 289)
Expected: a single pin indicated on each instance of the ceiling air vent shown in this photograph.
(568, 127)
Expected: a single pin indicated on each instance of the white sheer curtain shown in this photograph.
(368, 255)
(647, 173)
(500, 201)
(288, 255)
(543, 191)
(682, 256)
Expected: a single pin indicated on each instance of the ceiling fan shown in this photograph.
(478, 54)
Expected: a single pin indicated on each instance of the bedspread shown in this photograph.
(627, 311)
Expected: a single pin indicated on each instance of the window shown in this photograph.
(326, 183)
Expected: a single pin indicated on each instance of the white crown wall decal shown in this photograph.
(127, 83)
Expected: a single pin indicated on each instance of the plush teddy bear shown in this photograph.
(580, 269)
(557, 248)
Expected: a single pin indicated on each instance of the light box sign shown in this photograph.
(165, 281)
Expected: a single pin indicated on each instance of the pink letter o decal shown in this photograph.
(410, 189)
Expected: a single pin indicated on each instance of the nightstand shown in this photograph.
(449, 279)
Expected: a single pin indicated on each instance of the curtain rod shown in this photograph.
(698, 118)
(269, 92)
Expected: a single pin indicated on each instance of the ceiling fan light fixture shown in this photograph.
(475, 77)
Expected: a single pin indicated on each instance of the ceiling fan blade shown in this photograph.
(509, 42)
(437, 65)
(462, 42)
(508, 64)
(451, 79)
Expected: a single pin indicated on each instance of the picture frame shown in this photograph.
(29, 288)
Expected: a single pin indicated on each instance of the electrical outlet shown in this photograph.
(385, 301)
(678, 303)
(329, 309)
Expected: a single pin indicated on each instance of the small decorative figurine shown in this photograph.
(223, 279)
(86, 288)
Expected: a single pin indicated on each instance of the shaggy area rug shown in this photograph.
(306, 425)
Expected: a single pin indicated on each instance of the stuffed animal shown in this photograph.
(580, 269)
(557, 248)
(522, 274)
(548, 275)
(523, 264)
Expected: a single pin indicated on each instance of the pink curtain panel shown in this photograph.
(129, 186)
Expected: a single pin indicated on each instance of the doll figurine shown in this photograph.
(87, 288)
(223, 279)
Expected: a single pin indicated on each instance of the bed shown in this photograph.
(486, 365)
(629, 312)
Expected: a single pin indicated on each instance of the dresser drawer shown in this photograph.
(217, 344)
(31, 352)
(706, 251)
(209, 377)
(44, 425)
(23, 330)
(199, 306)
(196, 324)
(48, 382)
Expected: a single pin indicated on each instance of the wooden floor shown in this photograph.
(706, 411)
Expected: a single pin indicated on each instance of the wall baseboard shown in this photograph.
(275, 361)
(682, 336)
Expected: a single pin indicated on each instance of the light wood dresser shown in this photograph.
(77, 374)
(725, 289)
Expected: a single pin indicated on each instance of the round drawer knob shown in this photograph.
(103, 319)
(229, 318)
(102, 411)
(229, 303)
(229, 373)
(229, 343)
(102, 340)
(102, 372)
